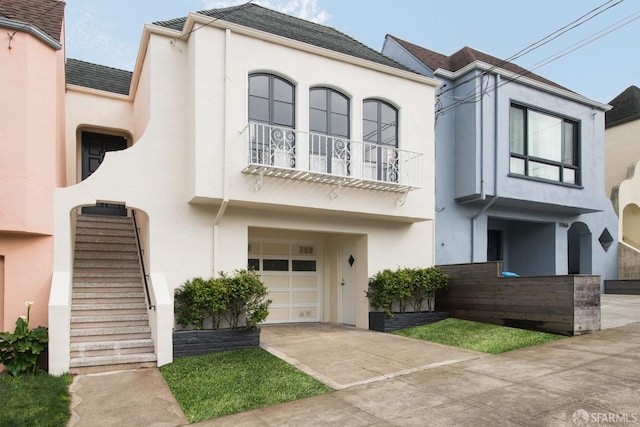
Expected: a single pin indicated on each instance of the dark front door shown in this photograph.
(94, 147)
(494, 245)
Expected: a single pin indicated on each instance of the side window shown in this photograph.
(271, 118)
(329, 120)
(380, 135)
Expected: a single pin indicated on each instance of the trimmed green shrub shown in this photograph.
(234, 298)
(404, 287)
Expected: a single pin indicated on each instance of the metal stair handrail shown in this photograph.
(144, 273)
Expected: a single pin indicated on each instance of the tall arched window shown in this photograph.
(271, 115)
(380, 135)
(329, 125)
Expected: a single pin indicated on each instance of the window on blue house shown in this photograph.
(543, 145)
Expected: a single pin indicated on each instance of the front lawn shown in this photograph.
(36, 399)
(478, 336)
(225, 383)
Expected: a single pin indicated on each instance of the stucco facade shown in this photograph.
(486, 209)
(621, 157)
(32, 161)
(206, 209)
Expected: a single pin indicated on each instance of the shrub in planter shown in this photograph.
(405, 287)
(245, 299)
(237, 302)
(240, 299)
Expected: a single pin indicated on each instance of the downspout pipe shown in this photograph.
(225, 156)
(495, 171)
(482, 193)
(495, 136)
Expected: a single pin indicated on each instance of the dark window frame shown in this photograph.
(270, 141)
(333, 138)
(563, 166)
(382, 173)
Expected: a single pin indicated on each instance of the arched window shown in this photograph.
(329, 125)
(271, 114)
(380, 135)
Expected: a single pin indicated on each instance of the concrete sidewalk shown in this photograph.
(595, 376)
(618, 310)
(124, 398)
(389, 380)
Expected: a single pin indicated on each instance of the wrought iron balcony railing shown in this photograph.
(289, 153)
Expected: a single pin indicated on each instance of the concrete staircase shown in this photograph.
(109, 321)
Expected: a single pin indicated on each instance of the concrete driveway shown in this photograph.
(342, 356)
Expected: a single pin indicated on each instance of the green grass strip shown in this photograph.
(477, 336)
(225, 383)
(36, 399)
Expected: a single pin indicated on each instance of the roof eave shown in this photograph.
(195, 19)
(30, 29)
(98, 92)
(483, 66)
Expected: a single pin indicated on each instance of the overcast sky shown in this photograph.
(108, 32)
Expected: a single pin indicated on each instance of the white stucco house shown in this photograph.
(243, 137)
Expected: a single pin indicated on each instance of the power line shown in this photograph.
(545, 40)
(475, 97)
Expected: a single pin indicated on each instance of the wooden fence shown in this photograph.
(567, 305)
(627, 287)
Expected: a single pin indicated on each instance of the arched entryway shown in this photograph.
(94, 146)
(631, 225)
(579, 249)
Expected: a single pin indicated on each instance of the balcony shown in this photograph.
(289, 153)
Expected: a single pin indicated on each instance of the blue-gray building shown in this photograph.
(519, 167)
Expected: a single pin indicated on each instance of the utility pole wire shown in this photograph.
(469, 99)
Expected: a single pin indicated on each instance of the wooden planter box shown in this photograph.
(379, 321)
(191, 343)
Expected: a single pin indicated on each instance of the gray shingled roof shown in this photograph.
(464, 57)
(270, 21)
(626, 107)
(46, 15)
(99, 77)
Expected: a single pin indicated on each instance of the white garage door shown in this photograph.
(291, 272)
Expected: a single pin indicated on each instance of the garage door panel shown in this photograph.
(275, 281)
(309, 314)
(291, 273)
(304, 297)
(271, 248)
(305, 281)
(279, 297)
(279, 314)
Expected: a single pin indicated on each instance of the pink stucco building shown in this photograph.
(32, 85)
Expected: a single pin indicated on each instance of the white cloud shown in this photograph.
(88, 37)
(305, 9)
